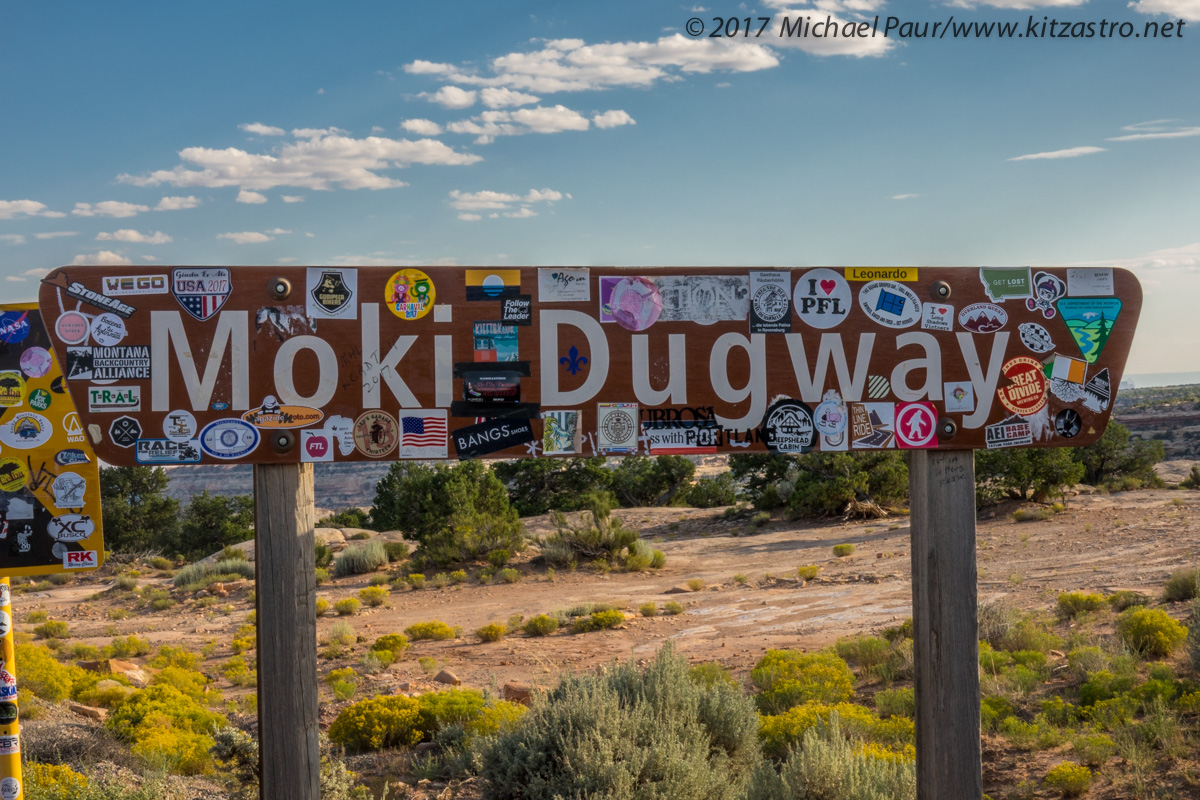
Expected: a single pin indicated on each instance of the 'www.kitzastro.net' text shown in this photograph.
(827, 27)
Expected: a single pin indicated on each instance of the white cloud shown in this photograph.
(287, 259)
(105, 258)
(315, 133)
(837, 19)
(469, 217)
(904, 196)
(1186, 258)
(422, 127)
(259, 129)
(1016, 4)
(55, 234)
(36, 272)
(278, 231)
(108, 208)
(539, 119)
(1180, 9)
(246, 237)
(324, 161)
(292, 198)
(521, 213)
(571, 65)
(1070, 152)
(176, 203)
(149, 258)
(18, 209)
(12, 238)
(506, 204)
(127, 235)
(612, 119)
(254, 198)
(451, 97)
(1156, 129)
(13, 278)
(499, 97)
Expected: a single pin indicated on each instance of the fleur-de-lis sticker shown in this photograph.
(573, 361)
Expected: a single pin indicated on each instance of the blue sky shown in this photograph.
(563, 133)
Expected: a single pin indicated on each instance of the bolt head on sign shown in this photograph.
(182, 365)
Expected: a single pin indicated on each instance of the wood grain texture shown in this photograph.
(287, 632)
(945, 626)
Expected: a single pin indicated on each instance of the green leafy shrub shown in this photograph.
(395, 643)
(162, 564)
(1150, 631)
(787, 678)
(807, 572)
(509, 575)
(374, 596)
(538, 485)
(595, 534)
(710, 673)
(434, 629)
(41, 673)
(671, 608)
(1093, 749)
(648, 609)
(346, 607)
(34, 617)
(322, 555)
(760, 519)
(126, 647)
(322, 606)
(416, 580)
(993, 710)
(439, 710)
(866, 651)
(166, 727)
(597, 621)
(720, 490)
(346, 518)
(458, 576)
(384, 721)
(172, 656)
(492, 632)
(541, 625)
(1070, 779)
(627, 732)
(1126, 598)
(360, 559)
(1072, 604)
(1181, 585)
(342, 633)
(195, 577)
(396, 551)
(780, 732)
(54, 629)
(842, 550)
(896, 703)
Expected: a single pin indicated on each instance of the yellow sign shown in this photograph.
(881, 273)
(50, 517)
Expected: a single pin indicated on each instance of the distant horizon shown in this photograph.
(1153, 380)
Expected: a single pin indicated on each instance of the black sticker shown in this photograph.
(1068, 423)
(57, 386)
(788, 427)
(125, 431)
(490, 437)
(518, 310)
(8, 713)
(492, 386)
(331, 292)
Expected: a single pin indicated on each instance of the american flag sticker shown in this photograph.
(201, 292)
(423, 433)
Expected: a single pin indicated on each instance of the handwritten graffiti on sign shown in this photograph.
(197, 364)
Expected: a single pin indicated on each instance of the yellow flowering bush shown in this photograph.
(788, 678)
(52, 781)
(384, 721)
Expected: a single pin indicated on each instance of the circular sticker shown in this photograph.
(1026, 394)
(890, 303)
(5, 623)
(26, 431)
(1035, 337)
(36, 362)
(179, 426)
(5, 598)
(788, 427)
(108, 329)
(12, 388)
(8, 715)
(14, 326)
(635, 303)
(410, 294)
(12, 475)
(822, 298)
(228, 438)
(39, 400)
(10, 788)
(770, 302)
(1068, 423)
(72, 327)
(375, 434)
(830, 419)
(982, 318)
(618, 426)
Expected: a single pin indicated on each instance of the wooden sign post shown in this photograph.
(285, 367)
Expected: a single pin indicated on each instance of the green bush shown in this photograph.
(54, 629)
(1070, 779)
(541, 625)
(509, 575)
(322, 555)
(627, 733)
(993, 710)
(866, 651)
(126, 647)
(194, 577)
(1150, 631)
(671, 608)
(648, 609)
(710, 673)
(137, 513)
(1093, 749)
(166, 727)
(41, 673)
(1116, 456)
(760, 519)
(597, 621)
(374, 596)
(438, 631)
(787, 678)
(538, 485)
(440, 710)
(395, 643)
(162, 564)
(896, 703)
(492, 632)
(458, 576)
(360, 559)
(712, 492)
(346, 518)
(781, 732)
(596, 534)
(1072, 604)
(1182, 585)
(807, 572)
(346, 607)
(384, 721)
(640, 481)
(1126, 598)
(396, 551)
(841, 550)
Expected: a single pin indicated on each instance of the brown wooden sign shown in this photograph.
(179, 365)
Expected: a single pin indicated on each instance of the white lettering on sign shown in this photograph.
(931, 364)
(676, 369)
(327, 372)
(231, 332)
(983, 380)
(755, 388)
(443, 369)
(597, 368)
(811, 387)
(376, 370)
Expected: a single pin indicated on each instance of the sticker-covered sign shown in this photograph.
(49, 480)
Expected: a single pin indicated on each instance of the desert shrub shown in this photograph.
(842, 550)
(787, 678)
(440, 580)
(171, 656)
(896, 703)
(342, 633)
(538, 485)
(500, 716)
(1036, 735)
(346, 607)
(712, 492)
(434, 629)
(322, 606)
(384, 721)
(166, 727)
(1093, 749)
(188, 681)
(416, 580)
(1126, 598)
(238, 673)
(760, 518)
(492, 632)
(162, 564)
(1103, 685)
(1061, 713)
(103, 691)
(1150, 631)
(1030, 634)
(627, 732)
(710, 673)
(458, 576)
(395, 643)
(597, 621)
(596, 534)
(41, 673)
(126, 647)
(779, 733)
(993, 710)
(321, 575)
(659, 481)
(322, 555)
(1117, 455)
(374, 596)
(396, 551)
(360, 559)
(541, 625)
(53, 629)
(830, 764)
(346, 518)
(194, 577)
(1072, 604)
(1182, 585)
(52, 782)
(1085, 660)
(671, 608)
(439, 710)
(34, 617)
(648, 609)
(509, 575)
(807, 572)
(866, 651)
(1070, 779)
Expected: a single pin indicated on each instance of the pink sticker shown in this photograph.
(635, 303)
